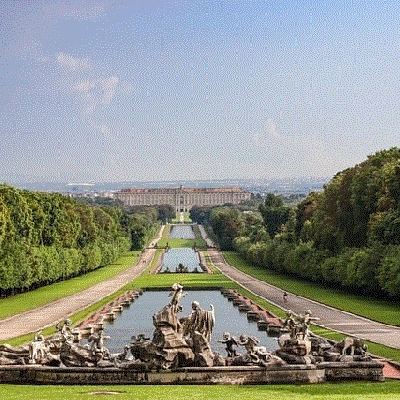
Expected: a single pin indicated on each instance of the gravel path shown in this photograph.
(329, 317)
(341, 321)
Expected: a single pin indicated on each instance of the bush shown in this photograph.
(389, 272)
(91, 257)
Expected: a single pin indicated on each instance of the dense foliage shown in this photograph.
(46, 237)
(347, 236)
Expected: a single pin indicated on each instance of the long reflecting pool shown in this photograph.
(186, 256)
(182, 232)
(138, 319)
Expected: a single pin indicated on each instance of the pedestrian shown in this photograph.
(285, 297)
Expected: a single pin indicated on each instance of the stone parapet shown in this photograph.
(289, 374)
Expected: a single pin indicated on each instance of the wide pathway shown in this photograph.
(51, 313)
(203, 232)
(331, 318)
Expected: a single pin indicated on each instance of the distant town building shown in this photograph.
(182, 199)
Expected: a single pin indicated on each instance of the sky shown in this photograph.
(146, 90)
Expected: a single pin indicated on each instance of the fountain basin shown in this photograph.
(289, 374)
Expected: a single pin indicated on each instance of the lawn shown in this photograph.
(377, 310)
(178, 243)
(344, 390)
(186, 218)
(36, 298)
(389, 390)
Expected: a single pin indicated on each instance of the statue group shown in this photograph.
(183, 342)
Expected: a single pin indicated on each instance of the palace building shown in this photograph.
(182, 199)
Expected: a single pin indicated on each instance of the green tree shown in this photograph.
(5, 221)
(19, 213)
(275, 214)
(227, 223)
(384, 227)
(166, 213)
(88, 229)
(388, 274)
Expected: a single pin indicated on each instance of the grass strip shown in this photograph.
(335, 391)
(29, 300)
(214, 280)
(325, 391)
(377, 310)
(186, 218)
(165, 240)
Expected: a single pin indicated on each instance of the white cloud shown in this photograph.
(108, 86)
(84, 88)
(293, 152)
(257, 140)
(270, 128)
(71, 63)
(94, 93)
(98, 91)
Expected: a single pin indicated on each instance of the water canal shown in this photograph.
(137, 319)
(182, 232)
(185, 256)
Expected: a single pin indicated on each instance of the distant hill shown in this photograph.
(278, 185)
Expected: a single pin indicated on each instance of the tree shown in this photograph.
(275, 214)
(201, 215)
(5, 221)
(88, 228)
(305, 210)
(227, 223)
(384, 227)
(20, 214)
(166, 213)
(388, 274)
(254, 226)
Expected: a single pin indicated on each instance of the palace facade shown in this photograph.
(182, 199)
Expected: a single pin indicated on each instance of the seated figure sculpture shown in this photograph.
(184, 342)
(197, 329)
(64, 329)
(201, 321)
(97, 348)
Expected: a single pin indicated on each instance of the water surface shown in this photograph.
(186, 256)
(182, 232)
(138, 319)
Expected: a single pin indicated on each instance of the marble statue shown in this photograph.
(201, 321)
(183, 342)
(230, 343)
(38, 349)
(97, 347)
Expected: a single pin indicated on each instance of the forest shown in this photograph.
(48, 237)
(347, 236)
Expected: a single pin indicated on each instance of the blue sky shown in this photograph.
(174, 90)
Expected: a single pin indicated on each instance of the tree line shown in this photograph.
(346, 236)
(47, 237)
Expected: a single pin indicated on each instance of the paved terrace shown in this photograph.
(331, 318)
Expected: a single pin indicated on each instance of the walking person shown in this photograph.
(285, 295)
